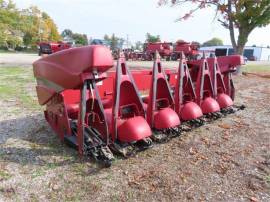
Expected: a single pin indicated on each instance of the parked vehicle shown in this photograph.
(52, 47)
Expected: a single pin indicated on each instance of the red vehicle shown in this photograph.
(164, 49)
(191, 50)
(52, 47)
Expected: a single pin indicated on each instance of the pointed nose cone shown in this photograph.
(210, 105)
(224, 100)
(166, 118)
(191, 111)
(134, 129)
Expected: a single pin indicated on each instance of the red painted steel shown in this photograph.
(128, 116)
(63, 70)
(160, 114)
(78, 89)
(219, 88)
(165, 49)
(191, 50)
(185, 97)
(228, 64)
(204, 88)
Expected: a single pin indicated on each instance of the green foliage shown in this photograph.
(138, 45)
(213, 42)
(114, 41)
(67, 33)
(251, 14)
(24, 27)
(9, 25)
(241, 15)
(80, 39)
(38, 26)
(152, 38)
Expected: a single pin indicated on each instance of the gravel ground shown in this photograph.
(227, 160)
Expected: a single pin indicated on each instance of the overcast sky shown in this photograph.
(135, 18)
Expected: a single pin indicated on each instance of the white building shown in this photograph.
(252, 53)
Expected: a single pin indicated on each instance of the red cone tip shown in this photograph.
(157, 56)
(183, 57)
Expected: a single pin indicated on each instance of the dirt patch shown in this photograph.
(227, 160)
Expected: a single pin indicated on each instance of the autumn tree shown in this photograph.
(238, 16)
(10, 25)
(38, 26)
(213, 42)
(25, 27)
(50, 28)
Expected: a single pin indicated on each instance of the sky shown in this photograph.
(134, 18)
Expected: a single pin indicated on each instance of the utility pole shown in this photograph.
(127, 44)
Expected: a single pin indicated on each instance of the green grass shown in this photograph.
(38, 173)
(3, 51)
(256, 68)
(4, 175)
(268, 179)
(18, 84)
(24, 51)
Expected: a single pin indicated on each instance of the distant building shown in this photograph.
(251, 52)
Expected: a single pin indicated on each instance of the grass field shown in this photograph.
(25, 51)
(256, 68)
(17, 85)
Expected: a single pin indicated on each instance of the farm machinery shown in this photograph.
(191, 50)
(166, 50)
(52, 47)
(103, 111)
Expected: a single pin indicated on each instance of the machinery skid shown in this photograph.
(101, 112)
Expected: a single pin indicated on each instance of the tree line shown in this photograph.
(115, 42)
(24, 29)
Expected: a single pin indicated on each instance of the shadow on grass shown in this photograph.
(30, 141)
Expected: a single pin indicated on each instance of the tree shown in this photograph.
(80, 39)
(114, 41)
(25, 27)
(10, 33)
(50, 28)
(67, 33)
(152, 38)
(213, 42)
(238, 16)
(138, 45)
